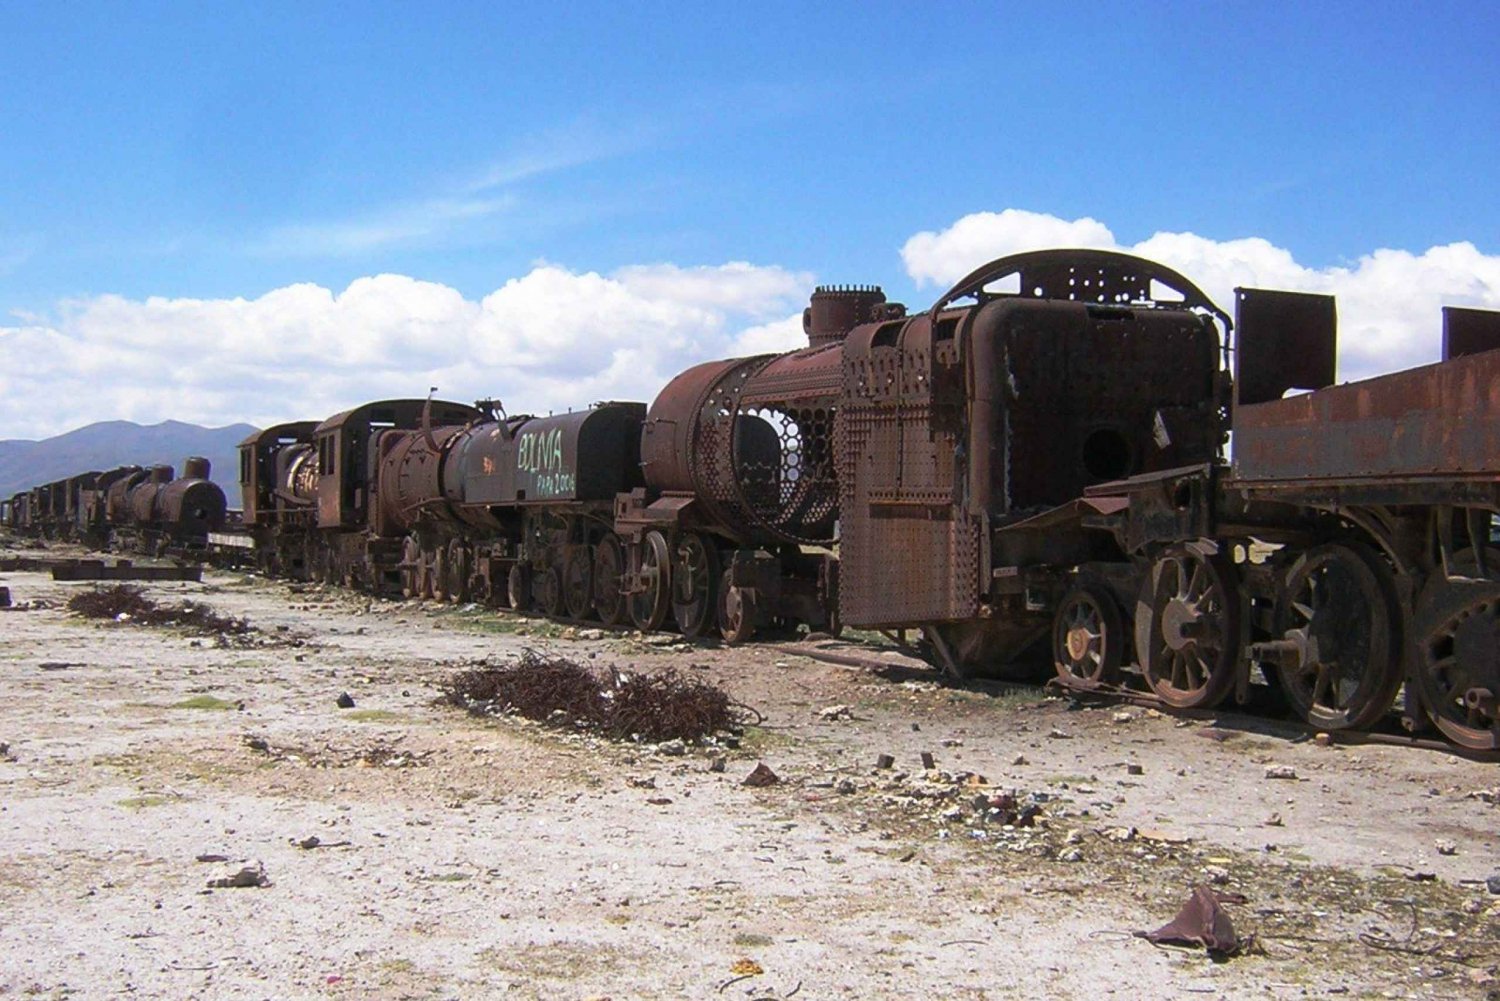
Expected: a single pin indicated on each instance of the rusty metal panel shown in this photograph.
(1439, 420)
(1286, 340)
(1469, 331)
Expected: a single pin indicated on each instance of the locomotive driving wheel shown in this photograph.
(1088, 638)
(440, 580)
(578, 582)
(458, 571)
(609, 601)
(518, 586)
(1188, 628)
(411, 567)
(1457, 653)
(1339, 622)
(695, 576)
(737, 611)
(549, 591)
(650, 604)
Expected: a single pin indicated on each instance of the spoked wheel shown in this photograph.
(458, 572)
(440, 580)
(578, 582)
(737, 611)
(1188, 628)
(549, 591)
(609, 561)
(518, 586)
(1340, 624)
(1088, 638)
(695, 578)
(649, 605)
(1457, 655)
(411, 567)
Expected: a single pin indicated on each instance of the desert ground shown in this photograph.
(405, 848)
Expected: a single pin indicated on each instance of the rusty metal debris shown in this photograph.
(1202, 921)
(620, 705)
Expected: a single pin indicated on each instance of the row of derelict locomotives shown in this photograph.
(1041, 461)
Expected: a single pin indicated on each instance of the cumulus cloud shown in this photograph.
(550, 339)
(1389, 301)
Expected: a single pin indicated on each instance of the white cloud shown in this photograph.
(550, 339)
(1389, 301)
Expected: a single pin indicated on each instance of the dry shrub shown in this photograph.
(128, 599)
(558, 691)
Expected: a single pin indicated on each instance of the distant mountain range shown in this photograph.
(25, 464)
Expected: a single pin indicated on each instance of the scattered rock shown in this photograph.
(1446, 847)
(1070, 855)
(345, 701)
(213, 858)
(928, 761)
(57, 665)
(1057, 734)
(1019, 759)
(1274, 820)
(591, 634)
(717, 763)
(310, 842)
(845, 787)
(835, 713)
(884, 761)
(1212, 733)
(1132, 768)
(674, 748)
(249, 876)
(258, 744)
(1121, 833)
(761, 776)
(1323, 739)
(1492, 883)
(1280, 772)
(1217, 874)
(1122, 717)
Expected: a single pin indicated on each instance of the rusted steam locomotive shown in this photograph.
(148, 509)
(1039, 460)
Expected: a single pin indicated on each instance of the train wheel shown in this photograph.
(411, 568)
(440, 574)
(518, 587)
(695, 577)
(1088, 638)
(458, 572)
(609, 560)
(549, 592)
(1457, 655)
(1188, 628)
(737, 612)
(1339, 614)
(578, 582)
(649, 605)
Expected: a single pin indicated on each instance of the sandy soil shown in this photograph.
(461, 857)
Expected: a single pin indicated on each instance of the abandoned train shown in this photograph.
(1042, 455)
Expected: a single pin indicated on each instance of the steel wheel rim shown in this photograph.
(608, 601)
(1459, 625)
(649, 606)
(578, 583)
(1193, 629)
(693, 580)
(1338, 607)
(1087, 640)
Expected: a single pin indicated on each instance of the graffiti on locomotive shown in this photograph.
(540, 454)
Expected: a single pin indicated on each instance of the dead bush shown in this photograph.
(130, 601)
(561, 692)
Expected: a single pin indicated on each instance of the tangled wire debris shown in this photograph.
(560, 692)
(128, 603)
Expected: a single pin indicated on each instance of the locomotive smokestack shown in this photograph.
(161, 474)
(837, 309)
(196, 467)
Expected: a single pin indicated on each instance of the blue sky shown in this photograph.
(181, 153)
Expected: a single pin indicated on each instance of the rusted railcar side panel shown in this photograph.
(1438, 421)
(908, 552)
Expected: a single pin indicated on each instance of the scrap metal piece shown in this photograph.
(1201, 921)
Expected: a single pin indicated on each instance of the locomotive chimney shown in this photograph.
(161, 474)
(196, 467)
(837, 309)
